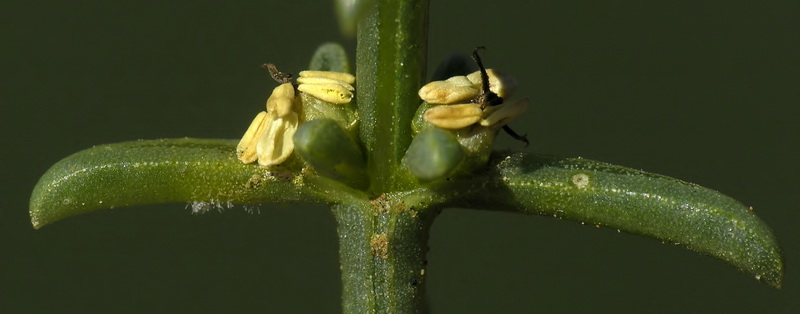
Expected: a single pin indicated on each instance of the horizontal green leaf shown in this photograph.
(668, 209)
(203, 172)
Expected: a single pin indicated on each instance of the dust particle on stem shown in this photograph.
(380, 245)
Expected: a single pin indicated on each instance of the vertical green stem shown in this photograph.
(355, 226)
(390, 67)
(382, 242)
(382, 247)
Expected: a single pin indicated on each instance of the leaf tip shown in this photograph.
(35, 209)
(773, 276)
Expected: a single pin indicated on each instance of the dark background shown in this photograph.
(705, 91)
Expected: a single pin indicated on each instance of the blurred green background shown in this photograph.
(705, 91)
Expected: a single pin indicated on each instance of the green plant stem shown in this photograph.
(382, 246)
(390, 66)
(382, 242)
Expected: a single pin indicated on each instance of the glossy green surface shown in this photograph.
(202, 172)
(633, 201)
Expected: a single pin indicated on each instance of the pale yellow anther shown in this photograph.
(322, 81)
(503, 114)
(280, 102)
(332, 93)
(340, 76)
(246, 150)
(454, 116)
(275, 144)
(453, 90)
(459, 80)
(500, 84)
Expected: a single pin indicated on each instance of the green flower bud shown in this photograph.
(350, 12)
(433, 154)
(330, 57)
(418, 123)
(312, 108)
(325, 146)
(476, 141)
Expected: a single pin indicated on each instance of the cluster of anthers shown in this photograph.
(463, 101)
(268, 139)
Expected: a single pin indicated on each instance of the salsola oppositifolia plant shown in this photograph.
(387, 152)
